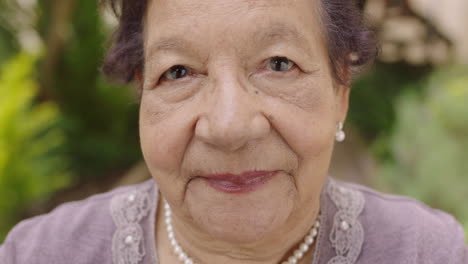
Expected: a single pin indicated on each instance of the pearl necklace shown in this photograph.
(184, 258)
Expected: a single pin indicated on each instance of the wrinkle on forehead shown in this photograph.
(189, 7)
(267, 3)
(178, 11)
(267, 33)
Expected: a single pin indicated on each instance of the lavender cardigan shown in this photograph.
(358, 225)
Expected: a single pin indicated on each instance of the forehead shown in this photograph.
(190, 7)
(230, 17)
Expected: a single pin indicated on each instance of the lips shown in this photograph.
(239, 183)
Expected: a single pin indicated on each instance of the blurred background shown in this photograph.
(65, 133)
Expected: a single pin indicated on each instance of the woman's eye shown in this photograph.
(280, 64)
(176, 72)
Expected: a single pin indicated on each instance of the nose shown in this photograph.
(233, 116)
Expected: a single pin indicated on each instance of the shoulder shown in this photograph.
(404, 230)
(75, 232)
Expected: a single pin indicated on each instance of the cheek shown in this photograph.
(309, 135)
(308, 127)
(306, 121)
(164, 135)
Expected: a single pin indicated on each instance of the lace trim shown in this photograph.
(347, 234)
(127, 210)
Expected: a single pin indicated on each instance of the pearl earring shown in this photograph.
(340, 134)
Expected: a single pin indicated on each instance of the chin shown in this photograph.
(241, 217)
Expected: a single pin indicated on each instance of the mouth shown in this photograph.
(239, 183)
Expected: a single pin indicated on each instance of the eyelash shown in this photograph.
(293, 64)
(164, 78)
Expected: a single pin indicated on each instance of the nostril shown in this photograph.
(233, 135)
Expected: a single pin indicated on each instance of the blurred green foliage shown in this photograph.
(101, 120)
(429, 145)
(32, 164)
(8, 42)
(61, 123)
(373, 96)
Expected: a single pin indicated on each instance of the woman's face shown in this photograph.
(232, 87)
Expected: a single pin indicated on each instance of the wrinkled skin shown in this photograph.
(232, 111)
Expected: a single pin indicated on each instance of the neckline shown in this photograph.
(130, 208)
(320, 236)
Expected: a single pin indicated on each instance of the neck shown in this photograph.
(203, 248)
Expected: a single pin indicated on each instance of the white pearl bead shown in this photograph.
(344, 225)
(188, 261)
(313, 232)
(174, 243)
(304, 247)
(341, 189)
(128, 240)
(292, 260)
(309, 240)
(317, 224)
(131, 198)
(177, 249)
(340, 136)
(298, 254)
(182, 256)
(171, 235)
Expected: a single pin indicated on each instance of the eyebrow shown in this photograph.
(168, 44)
(263, 34)
(279, 32)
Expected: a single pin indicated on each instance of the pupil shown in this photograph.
(178, 72)
(280, 64)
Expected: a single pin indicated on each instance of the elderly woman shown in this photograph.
(241, 104)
